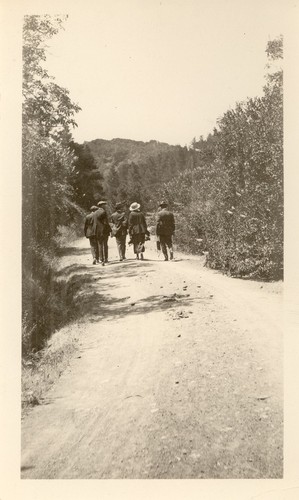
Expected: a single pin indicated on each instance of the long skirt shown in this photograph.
(138, 242)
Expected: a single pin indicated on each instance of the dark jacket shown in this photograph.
(165, 223)
(137, 223)
(120, 224)
(90, 225)
(101, 222)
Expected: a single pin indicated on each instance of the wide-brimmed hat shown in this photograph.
(102, 202)
(93, 208)
(118, 205)
(134, 206)
(163, 204)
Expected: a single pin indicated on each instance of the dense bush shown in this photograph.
(232, 198)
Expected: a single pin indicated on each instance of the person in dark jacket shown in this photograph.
(119, 223)
(165, 228)
(102, 231)
(137, 229)
(90, 233)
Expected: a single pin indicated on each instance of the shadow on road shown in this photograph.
(95, 298)
(111, 308)
(64, 251)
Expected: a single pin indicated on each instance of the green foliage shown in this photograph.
(117, 151)
(47, 117)
(233, 198)
(86, 179)
(274, 48)
(47, 160)
(134, 170)
(113, 187)
(46, 106)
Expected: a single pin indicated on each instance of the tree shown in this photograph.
(112, 187)
(48, 115)
(134, 184)
(47, 163)
(46, 105)
(86, 178)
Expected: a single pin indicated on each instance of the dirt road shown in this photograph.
(178, 375)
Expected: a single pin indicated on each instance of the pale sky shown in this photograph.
(163, 70)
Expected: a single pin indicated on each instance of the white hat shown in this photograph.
(134, 206)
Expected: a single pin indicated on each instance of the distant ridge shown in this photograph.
(118, 151)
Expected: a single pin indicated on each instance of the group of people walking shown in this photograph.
(98, 228)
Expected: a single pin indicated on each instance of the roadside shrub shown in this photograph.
(232, 198)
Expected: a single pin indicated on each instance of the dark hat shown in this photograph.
(102, 202)
(163, 204)
(93, 208)
(118, 205)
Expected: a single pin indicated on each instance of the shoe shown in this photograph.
(171, 255)
(106, 261)
(103, 263)
(120, 260)
(94, 262)
(137, 257)
(141, 256)
(166, 258)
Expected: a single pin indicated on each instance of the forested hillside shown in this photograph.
(133, 170)
(107, 153)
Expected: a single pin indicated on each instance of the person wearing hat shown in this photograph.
(90, 233)
(102, 231)
(165, 228)
(137, 229)
(119, 223)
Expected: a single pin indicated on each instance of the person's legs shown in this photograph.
(123, 246)
(141, 245)
(163, 246)
(135, 240)
(119, 248)
(105, 244)
(93, 248)
(96, 248)
(170, 247)
(101, 250)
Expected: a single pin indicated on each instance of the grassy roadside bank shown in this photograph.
(60, 311)
(44, 368)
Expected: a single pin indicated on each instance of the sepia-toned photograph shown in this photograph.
(153, 241)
